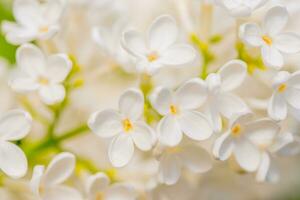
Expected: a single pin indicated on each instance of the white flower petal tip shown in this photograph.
(96, 183)
(131, 104)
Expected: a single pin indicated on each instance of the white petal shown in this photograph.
(287, 42)
(162, 33)
(277, 107)
(292, 95)
(133, 43)
(58, 69)
(102, 36)
(15, 125)
(251, 34)
(121, 150)
(24, 84)
(53, 11)
(59, 169)
(272, 57)
(282, 141)
(213, 82)
(97, 183)
(233, 74)
(27, 12)
(275, 20)
(52, 94)
(169, 131)
(169, 169)
(131, 104)
(35, 182)
(13, 161)
(196, 159)
(120, 191)
(223, 146)
(61, 193)
(17, 34)
(294, 80)
(229, 105)
(178, 54)
(279, 78)
(143, 136)
(162, 101)
(290, 146)
(31, 60)
(106, 123)
(191, 94)
(246, 154)
(262, 132)
(195, 125)
(214, 117)
(263, 168)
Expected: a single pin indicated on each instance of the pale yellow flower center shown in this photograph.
(99, 196)
(127, 125)
(267, 40)
(153, 56)
(43, 81)
(44, 29)
(174, 149)
(282, 87)
(173, 109)
(236, 130)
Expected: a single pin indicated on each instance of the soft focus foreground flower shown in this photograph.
(237, 140)
(273, 42)
(240, 8)
(14, 125)
(173, 159)
(46, 183)
(286, 96)
(180, 115)
(41, 73)
(219, 87)
(99, 188)
(34, 20)
(160, 48)
(125, 127)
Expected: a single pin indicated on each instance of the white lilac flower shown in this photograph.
(14, 125)
(286, 96)
(180, 115)
(219, 86)
(34, 20)
(41, 73)
(240, 8)
(47, 183)
(271, 38)
(99, 188)
(160, 48)
(236, 140)
(173, 159)
(125, 127)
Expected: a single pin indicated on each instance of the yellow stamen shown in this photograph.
(267, 40)
(281, 88)
(43, 81)
(152, 56)
(99, 196)
(236, 130)
(43, 29)
(127, 125)
(173, 109)
(174, 149)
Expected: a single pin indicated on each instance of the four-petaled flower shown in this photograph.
(160, 49)
(38, 72)
(125, 126)
(34, 20)
(270, 38)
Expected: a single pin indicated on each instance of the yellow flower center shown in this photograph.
(282, 87)
(43, 29)
(173, 109)
(127, 125)
(236, 130)
(174, 149)
(99, 196)
(267, 40)
(152, 56)
(43, 81)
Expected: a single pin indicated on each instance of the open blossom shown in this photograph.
(47, 183)
(34, 20)
(240, 8)
(41, 73)
(180, 115)
(99, 188)
(189, 156)
(286, 96)
(237, 140)
(219, 98)
(14, 125)
(125, 127)
(160, 48)
(271, 38)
